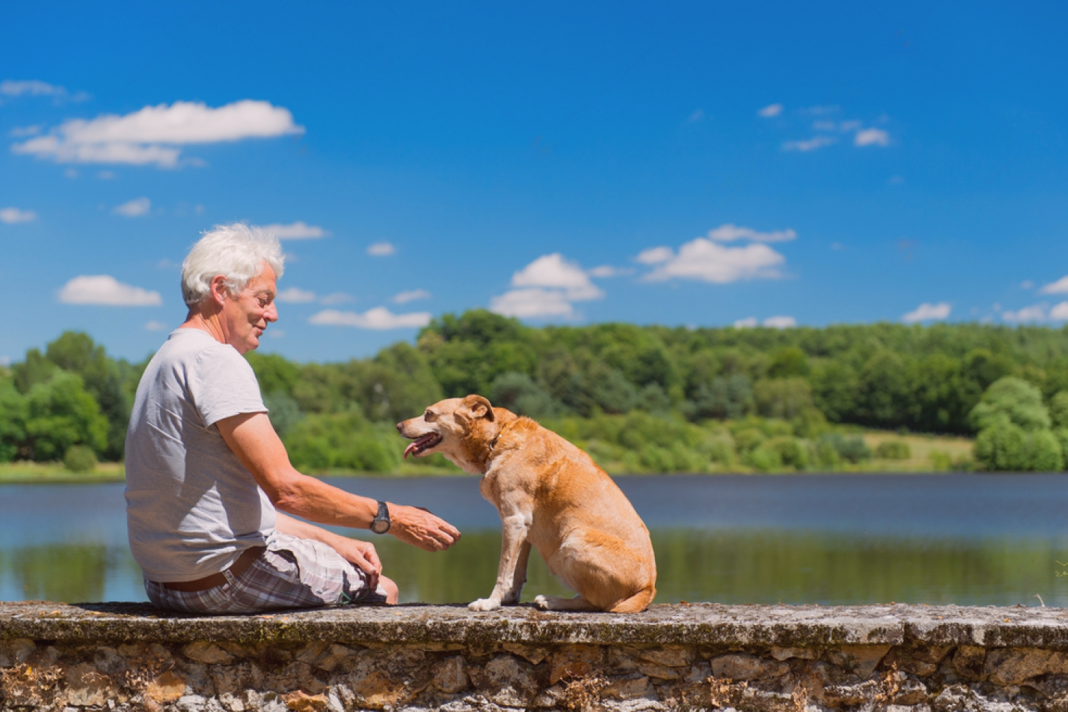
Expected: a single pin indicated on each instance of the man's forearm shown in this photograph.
(316, 501)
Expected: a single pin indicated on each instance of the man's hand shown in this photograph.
(362, 555)
(418, 527)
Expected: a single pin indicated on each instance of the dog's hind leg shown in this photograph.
(556, 603)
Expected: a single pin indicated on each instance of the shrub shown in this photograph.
(793, 452)
(79, 458)
(764, 458)
(1012, 398)
(343, 441)
(1007, 447)
(893, 450)
(748, 439)
(853, 448)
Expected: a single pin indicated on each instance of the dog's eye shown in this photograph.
(429, 416)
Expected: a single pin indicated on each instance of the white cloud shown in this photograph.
(298, 230)
(405, 297)
(771, 110)
(772, 322)
(810, 145)
(134, 208)
(708, 261)
(1058, 287)
(1027, 284)
(14, 215)
(928, 312)
(378, 318)
(780, 322)
(655, 255)
(1035, 312)
(32, 87)
(294, 295)
(105, 289)
(24, 131)
(105, 175)
(532, 302)
(70, 173)
(155, 326)
(729, 232)
(610, 271)
(1059, 312)
(336, 298)
(381, 249)
(872, 137)
(152, 134)
(696, 116)
(555, 272)
(820, 110)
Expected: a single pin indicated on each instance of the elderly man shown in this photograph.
(207, 478)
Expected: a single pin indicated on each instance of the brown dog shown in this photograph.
(549, 494)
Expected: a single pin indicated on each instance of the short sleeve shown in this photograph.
(222, 384)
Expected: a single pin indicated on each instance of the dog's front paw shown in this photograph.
(484, 604)
(542, 602)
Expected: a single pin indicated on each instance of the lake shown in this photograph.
(827, 539)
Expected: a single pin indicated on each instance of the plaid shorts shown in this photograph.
(291, 573)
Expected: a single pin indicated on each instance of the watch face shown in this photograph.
(380, 526)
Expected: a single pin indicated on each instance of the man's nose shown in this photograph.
(272, 312)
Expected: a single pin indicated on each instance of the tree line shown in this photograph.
(702, 385)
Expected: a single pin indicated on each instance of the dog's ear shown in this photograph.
(475, 407)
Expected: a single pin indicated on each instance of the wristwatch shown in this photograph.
(380, 524)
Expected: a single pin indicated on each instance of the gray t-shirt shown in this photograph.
(191, 506)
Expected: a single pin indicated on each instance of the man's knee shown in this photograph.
(392, 592)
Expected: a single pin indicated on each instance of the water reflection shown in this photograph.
(799, 539)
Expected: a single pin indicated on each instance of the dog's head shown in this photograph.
(458, 428)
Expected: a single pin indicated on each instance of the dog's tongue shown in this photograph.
(409, 449)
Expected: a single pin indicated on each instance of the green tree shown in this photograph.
(61, 413)
(784, 398)
(13, 410)
(1013, 399)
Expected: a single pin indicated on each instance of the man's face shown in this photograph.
(245, 315)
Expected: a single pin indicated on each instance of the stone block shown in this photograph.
(168, 687)
(1012, 666)
(782, 654)
(15, 652)
(742, 666)
(299, 701)
(627, 687)
(207, 653)
(449, 675)
(861, 659)
(968, 661)
(507, 681)
(668, 656)
(87, 687)
(533, 655)
(574, 662)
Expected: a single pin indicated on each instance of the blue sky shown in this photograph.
(691, 164)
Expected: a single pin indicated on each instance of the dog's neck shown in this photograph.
(490, 450)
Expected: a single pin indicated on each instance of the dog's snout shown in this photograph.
(400, 427)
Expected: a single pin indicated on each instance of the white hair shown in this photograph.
(237, 252)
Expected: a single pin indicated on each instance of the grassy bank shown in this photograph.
(926, 453)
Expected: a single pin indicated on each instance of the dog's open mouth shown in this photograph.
(422, 445)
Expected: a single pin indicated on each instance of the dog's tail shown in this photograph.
(636, 603)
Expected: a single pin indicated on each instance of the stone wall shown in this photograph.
(894, 657)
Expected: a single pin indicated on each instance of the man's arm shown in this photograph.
(253, 439)
(361, 554)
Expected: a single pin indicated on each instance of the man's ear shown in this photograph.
(220, 290)
(475, 407)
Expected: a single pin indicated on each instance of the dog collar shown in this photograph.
(497, 437)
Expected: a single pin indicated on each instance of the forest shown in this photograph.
(638, 398)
